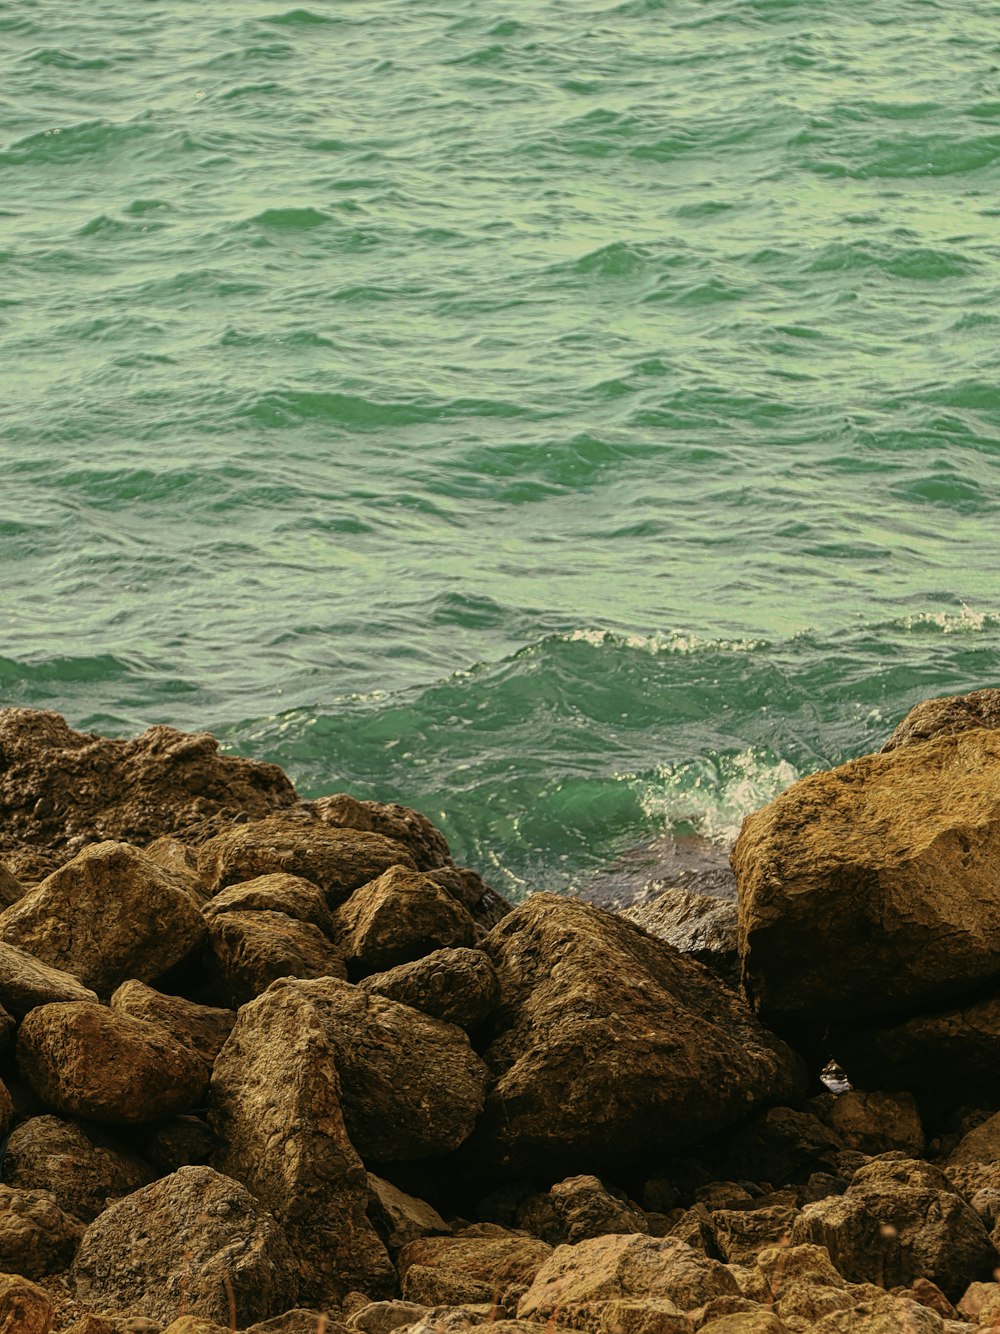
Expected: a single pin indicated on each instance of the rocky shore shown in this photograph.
(281, 1066)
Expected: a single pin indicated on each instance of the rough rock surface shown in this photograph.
(254, 949)
(203, 1028)
(36, 1236)
(613, 1046)
(399, 1218)
(467, 887)
(697, 924)
(276, 1082)
(26, 982)
(60, 788)
(25, 1308)
(890, 865)
(85, 1060)
(107, 915)
(980, 1145)
(945, 716)
(875, 1122)
(781, 1145)
(459, 986)
(481, 1262)
(193, 1237)
(397, 918)
(11, 888)
(426, 844)
(292, 843)
(588, 1209)
(80, 1165)
(181, 1141)
(288, 894)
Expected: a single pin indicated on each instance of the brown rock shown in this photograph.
(399, 917)
(696, 1229)
(980, 1302)
(26, 982)
(8, 1030)
(889, 864)
(485, 906)
(276, 1082)
(107, 915)
(425, 844)
(202, 1028)
(480, 1261)
(697, 924)
(80, 1165)
(11, 888)
(586, 1208)
(6, 1109)
(399, 1218)
(36, 1237)
(782, 1145)
(876, 1122)
(622, 1315)
(801, 1282)
(194, 1237)
(747, 1322)
(299, 1321)
(981, 1145)
(25, 1308)
(288, 894)
(181, 860)
(383, 1317)
(928, 1294)
(337, 860)
(615, 1048)
(182, 1141)
(459, 986)
(85, 1060)
(195, 1324)
(881, 1313)
(254, 949)
(945, 716)
(741, 1234)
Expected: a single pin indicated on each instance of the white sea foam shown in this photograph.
(672, 641)
(714, 798)
(964, 621)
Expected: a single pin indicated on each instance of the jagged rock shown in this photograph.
(60, 788)
(26, 982)
(25, 1308)
(80, 1165)
(889, 865)
(874, 1122)
(182, 1141)
(781, 1146)
(607, 1268)
(426, 845)
(288, 894)
(107, 915)
(586, 1208)
(613, 1046)
(412, 1086)
(900, 1220)
(697, 924)
(946, 715)
(621, 1315)
(459, 986)
(337, 860)
(467, 887)
(383, 1317)
(11, 888)
(759, 1321)
(882, 1313)
(399, 1218)
(203, 1028)
(181, 860)
(981, 1302)
(276, 1081)
(695, 1228)
(480, 1261)
(254, 949)
(397, 918)
(928, 1294)
(299, 1321)
(36, 1236)
(194, 1236)
(800, 1282)
(741, 1234)
(85, 1060)
(981, 1145)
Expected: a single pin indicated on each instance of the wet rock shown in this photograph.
(254, 949)
(397, 918)
(614, 1047)
(459, 986)
(26, 982)
(36, 1236)
(202, 1028)
(875, 1123)
(781, 1146)
(399, 1218)
(80, 1165)
(425, 844)
(945, 716)
(337, 860)
(700, 925)
(898, 1221)
(288, 894)
(276, 1082)
(57, 785)
(481, 1261)
(107, 915)
(85, 1060)
(412, 1086)
(891, 865)
(195, 1237)
(25, 1308)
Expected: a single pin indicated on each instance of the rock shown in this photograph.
(276, 1082)
(900, 1220)
(741, 1234)
(195, 1237)
(181, 860)
(697, 924)
(945, 716)
(889, 865)
(399, 1218)
(8, 1029)
(484, 905)
(36, 1237)
(107, 915)
(801, 1283)
(78, 1164)
(337, 860)
(481, 1261)
(7, 1113)
(299, 1321)
(194, 1324)
(607, 1268)
(781, 1146)
(412, 1086)
(399, 917)
(652, 1315)
(26, 982)
(58, 785)
(459, 986)
(11, 888)
(749, 1322)
(875, 1122)
(980, 1302)
(382, 1317)
(588, 1209)
(614, 1047)
(288, 894)
(425, 844)
(696, 1229)
(182, 1141)
(254, 949)
(202, 1028)
(25, 1308)
(881, 1313)
(981, 1145)
(88, 1061)
(928, 1294)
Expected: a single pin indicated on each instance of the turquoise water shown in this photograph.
(573, 419)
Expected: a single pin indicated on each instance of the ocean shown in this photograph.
(575, 420)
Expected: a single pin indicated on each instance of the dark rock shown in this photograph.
(11, 888)
(781, 1146)
(288, 894)
(36, 1236)
(194, 1238)
(26, 982)
(399, 1218)
(399, 917)
(254, 949)
(874, 1122)
(88, 1061)
(697, 924)
(425, 844)
(299, 1321)
(459, 986)
(183, 1141)
(203, 1028)
(945, 716)
(80, 1165)
(485, 906)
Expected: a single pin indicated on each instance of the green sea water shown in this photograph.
(575, 419)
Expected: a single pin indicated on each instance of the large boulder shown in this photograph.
(80, 1165)
(253, 949)
(946, 715)
(86, 1060)
(874, 888)
(613, 1047)
(203, 1028)
(195, 1239)
(397, 918)
(36, 1236)
(276, 1083)
(107, 915)
(459, 986)
(26, 982)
